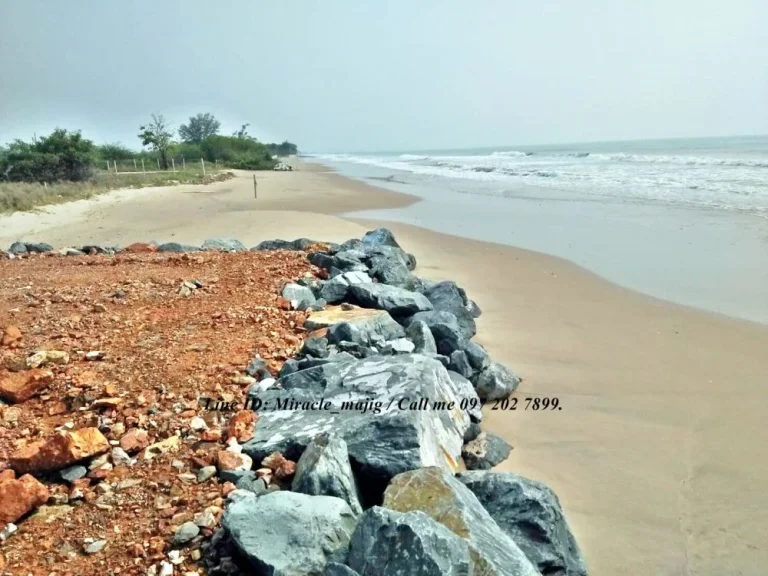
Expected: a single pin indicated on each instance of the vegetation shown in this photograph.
(159, 136)
(61, 156)
(284, 149)
(200, 127)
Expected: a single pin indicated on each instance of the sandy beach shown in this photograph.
(659, 455)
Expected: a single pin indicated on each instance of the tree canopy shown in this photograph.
(199, 128)
(158, 134)
(62, 155)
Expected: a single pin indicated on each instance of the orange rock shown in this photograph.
(280, 465)
(17, 497)
(20, 386)
(134, 440)
(63, 449)
(320, 333)
(227, 488)
(140, 247)
(106, 403)
(57, 408)
(233, 461)
(283, 304)
(7, 475)
(240, 426)
(11, 335)
(211, 435)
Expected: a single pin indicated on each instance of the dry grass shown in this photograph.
(21, 196)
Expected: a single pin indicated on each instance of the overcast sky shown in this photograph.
(353, 75)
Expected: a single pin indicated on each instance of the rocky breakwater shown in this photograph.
(361, 439)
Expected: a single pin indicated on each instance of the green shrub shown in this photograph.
(114, 152)
(242, 153)
(61, 156)
(284, 149)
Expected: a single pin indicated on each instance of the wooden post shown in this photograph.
(255, 191)
(108, 168)
(183, 163)
(173, 163)
(142, 166)
(46, 185)
(134, 164)
(115, 163)
(217, 163)
(203, 163)
(158, 162)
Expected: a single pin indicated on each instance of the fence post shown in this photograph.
(183, 163)
(134, 164)
(158, 162)
(173, 163)
(203, 163)
(142, 165)
(115, 163)
(108, 168)
(255, 192)
(217, 163)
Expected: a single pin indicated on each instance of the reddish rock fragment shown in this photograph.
(21, 386)
(240, 426)
(17, 497)
(134, 440)
(63, 449)
(11, 336)
(280, 465)
(140, 247)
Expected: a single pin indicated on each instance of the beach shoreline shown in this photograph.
(659, 454)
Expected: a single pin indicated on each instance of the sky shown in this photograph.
(355, 75)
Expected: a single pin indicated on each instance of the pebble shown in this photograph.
(7, 531)
(205, 519)
(198, 424)
(166, 569)
(73, 473)
(120, 457)
(95, 547)
(206, 473)
(185, 533)
(174, 556)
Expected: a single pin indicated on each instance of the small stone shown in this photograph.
(166, 569)
(21, 386)
(205, 519)
(185, 533)
(7, 531)
(205, 474)
(73, 473)
(240, 426)
(233, 461)
(63, 449)
(174, 557)
(94, 547)
(95, 355)
(134, 440)
(120, 457)
(11, 335)
(198, 424)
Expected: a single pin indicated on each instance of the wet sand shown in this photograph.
(659, 455)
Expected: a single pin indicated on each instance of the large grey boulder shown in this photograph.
(380, 237)
(496, 382)
(288, 534)
(177, 248)
(485, 452)
(389, 271)
(369, 324)
(421, 336)
(335, 290)
(460, 364)
(441, 496)
(448, 297)
(396, 301)
(465, 389)
(373, 406)
(38, 247)
(297, 294)
(296, 245)
(444, 327)
(224, 244)
(324, 470)
(531, 514)
(389, 543)
(17, 248)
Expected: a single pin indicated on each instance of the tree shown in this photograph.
(61, 156)
(242, 134)
(157, 134)
(199, 128)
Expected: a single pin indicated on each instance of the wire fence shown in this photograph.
(145, 165)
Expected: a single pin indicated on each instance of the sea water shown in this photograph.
(684, 220)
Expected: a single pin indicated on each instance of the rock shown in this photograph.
(324, 470)
(18, 248)
(335, 290)
(295, 533)
(368, 406)
(223, 244)
(369, 323)
(197, 424)
(465, 389)
(233, 461)
(396, 301)
(93, 249)
(387, 543)
(72, 473)
(257, 368)
(185, 533)
(21, 386)
(11, 335)
(472, 432)
(347, 332)
(72, 252)
(252, 483)
(485, 452)
(421, 336)
(398, 346)
(205, 473)
(380, 237)
(18, 497)
(205, 519)
(460, 364)
(94, 547)
(177, 248)
(444, 327)
(240, 426)
(135, 440)
(476, 355)
(446, 500)
(7, 531)
(316, 347)
(63, 449)
(336, 569)
(170, 444)
(38, 247)
(120, 457)
(496, 382)
(388, 271)
(448, 297)
(297, 293)
(140, 248)
(295, 245)
(530, 513)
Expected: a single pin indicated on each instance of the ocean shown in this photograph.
(685, 220)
